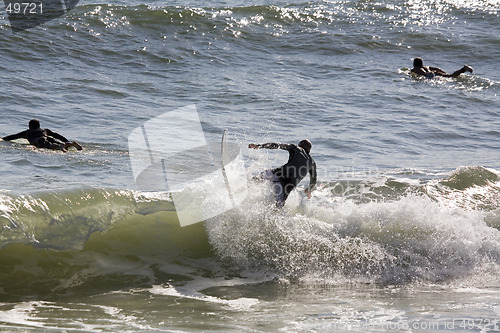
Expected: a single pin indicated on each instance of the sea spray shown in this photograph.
(411, 238)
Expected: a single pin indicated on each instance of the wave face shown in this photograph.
(83, 241)
(60, 220)
(384, 230)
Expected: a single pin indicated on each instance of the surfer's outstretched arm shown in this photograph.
(271, 145)
(20, 135)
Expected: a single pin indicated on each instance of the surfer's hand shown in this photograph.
(308, 194)
(252, 146)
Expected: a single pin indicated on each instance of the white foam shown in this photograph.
(21, 314)
(187, 292)
(413, 237)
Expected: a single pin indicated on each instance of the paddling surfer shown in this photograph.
(43, 138)
(430, 72)
(289, 175)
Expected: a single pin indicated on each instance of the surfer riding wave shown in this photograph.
(288, 176)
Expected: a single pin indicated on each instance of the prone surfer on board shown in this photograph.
(43, 138)
(430, 72)
(288, 176)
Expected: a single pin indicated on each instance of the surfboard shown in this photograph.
(223, 162)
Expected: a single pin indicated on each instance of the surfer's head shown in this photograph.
(34, 124)
(306, 145)
(418, 63)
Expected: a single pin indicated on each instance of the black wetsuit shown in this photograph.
(40, 138)
(299, 164)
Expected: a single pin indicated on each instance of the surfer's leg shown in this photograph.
(279, 193)
(73, 144)
(39, 143)
(53, 143)
(285, 189)
(462, 70)
(49, 143)
(276, 187)
(264, 175)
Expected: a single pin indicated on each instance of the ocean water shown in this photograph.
(401, 235)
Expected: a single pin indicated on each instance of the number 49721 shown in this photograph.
(24, 8)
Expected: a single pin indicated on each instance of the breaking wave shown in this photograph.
(382, 230)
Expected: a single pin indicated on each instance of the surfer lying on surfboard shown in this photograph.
(288, 176)
(430, 72)
(43, 138)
